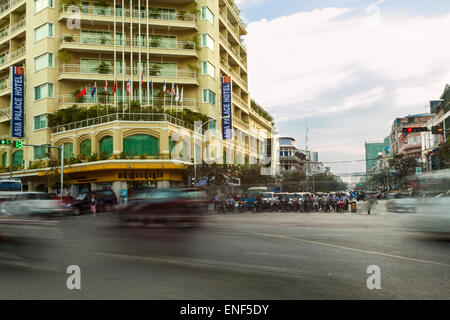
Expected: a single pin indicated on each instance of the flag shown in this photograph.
(164, 88)
(181, 96)
(151, 86)
(177, 96)
(115, 86)
(128, 86)
(142, 79)
(82, 93)
(106, 86)
(94, 89)
(173, 89)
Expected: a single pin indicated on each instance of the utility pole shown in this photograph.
(62, 160)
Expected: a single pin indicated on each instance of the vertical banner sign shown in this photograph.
(17, 102)
(227, 125)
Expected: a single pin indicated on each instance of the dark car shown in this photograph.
(166, 207)
(106, 199)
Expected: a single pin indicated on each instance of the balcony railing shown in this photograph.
(5, 112)
(167, 102)
(138, 117)
(135, 14)
(16, 26)
(240, 122)
(5, 6)
(13, 55)
(125, 41)
(230, 47)
(236, 97)
(95, 70)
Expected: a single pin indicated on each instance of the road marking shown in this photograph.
(348, 248)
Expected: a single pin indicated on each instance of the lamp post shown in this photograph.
(195, 153)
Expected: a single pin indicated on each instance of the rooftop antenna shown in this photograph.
(306, 132)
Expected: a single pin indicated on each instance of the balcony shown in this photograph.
(232, 50)
(240, 123)
(232, 31)
(137, 117)
(5, 115)
(68, 100)
(12, 30)
(237, 99)
(5, 87)
(85, 72)
(95, 44)
(8, 5)
(13, 57)
(105, 15)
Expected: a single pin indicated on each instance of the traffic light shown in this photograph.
(18, 144)
(414, 129)
(5, 142)
(439, 129)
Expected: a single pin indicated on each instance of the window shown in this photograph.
(212, 124)
(106, 145)
(85, 147)
(207, 41)
(92, 66)
(208, 69)
(43, 61)
(96, 37)
(4, 157)
(44, 31)
(207, 15)
(209, 97)
(18, 158)
(40, 122)
(43, 91)
(40, 153)
(40, 5)
(141, 144)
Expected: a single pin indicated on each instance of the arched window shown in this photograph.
(85, 147)
(4, 158)
(18, 158)
(184, 150)
(68, 151)
(106, 145)
(141, 144)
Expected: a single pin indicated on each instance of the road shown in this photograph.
(233, 256)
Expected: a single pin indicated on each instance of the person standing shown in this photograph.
(93, 205)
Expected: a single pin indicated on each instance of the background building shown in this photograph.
(373, 149)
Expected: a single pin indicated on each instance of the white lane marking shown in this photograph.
(347, 248)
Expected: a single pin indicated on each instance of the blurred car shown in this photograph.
(401, 202)
(174, 207)
(106, 200)
(33, 204)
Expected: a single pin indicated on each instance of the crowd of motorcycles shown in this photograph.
(287, 203)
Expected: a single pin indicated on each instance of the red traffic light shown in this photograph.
(409, 129)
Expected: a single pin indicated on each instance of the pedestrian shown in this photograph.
(93, 205)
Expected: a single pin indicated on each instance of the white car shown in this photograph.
(401, 202)
(32, 204)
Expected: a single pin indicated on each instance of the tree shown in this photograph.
(404, 165)
(443, 155)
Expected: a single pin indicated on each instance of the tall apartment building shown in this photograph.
(66, 46)
(372, 149)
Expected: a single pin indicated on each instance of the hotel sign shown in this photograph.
(17, 102)
(227, 124)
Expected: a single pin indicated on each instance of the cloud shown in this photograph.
(348, 71)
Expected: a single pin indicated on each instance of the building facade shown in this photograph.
(129, 51)
(372, 150)
(291, 157)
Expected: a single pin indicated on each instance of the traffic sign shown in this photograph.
(418, 170)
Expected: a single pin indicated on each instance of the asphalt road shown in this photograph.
(233, 256)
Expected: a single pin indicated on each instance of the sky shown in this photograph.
(346, 68)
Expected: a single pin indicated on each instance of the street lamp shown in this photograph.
(195, 153)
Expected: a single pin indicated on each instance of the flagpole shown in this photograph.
(124, 69)
(115, 58)
(131, 56)
(140, 62)
(148, 61)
